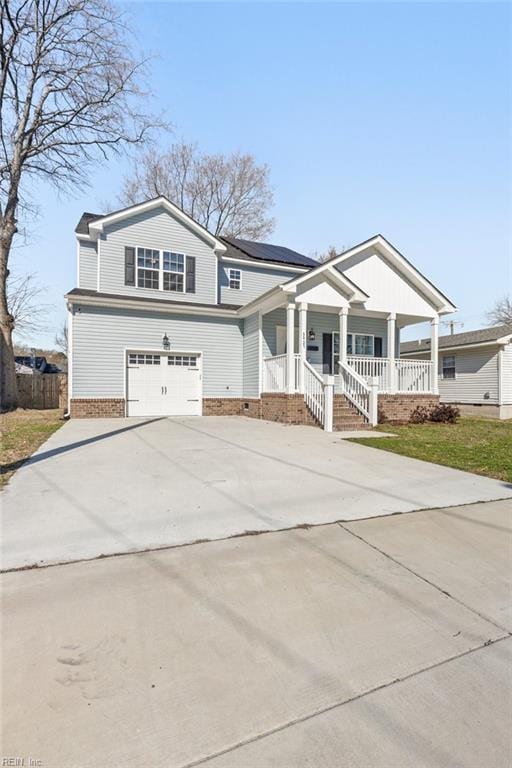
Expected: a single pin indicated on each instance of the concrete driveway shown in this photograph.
(376, 643)
(100, 487)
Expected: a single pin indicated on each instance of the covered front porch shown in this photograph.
(324, 338)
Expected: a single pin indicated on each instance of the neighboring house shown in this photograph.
(475, 369)
(167, 319)
(39, 364)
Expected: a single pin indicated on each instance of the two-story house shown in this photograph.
(168, 320)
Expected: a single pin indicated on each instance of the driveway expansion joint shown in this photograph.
(424, 578)
(339, 704)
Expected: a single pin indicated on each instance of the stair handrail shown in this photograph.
(314, 393)
(356, 389)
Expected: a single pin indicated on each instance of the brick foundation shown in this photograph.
(287, 409)
(232, 406)
(398, 408)
(97, 408)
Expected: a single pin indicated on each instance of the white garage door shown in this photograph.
(164, 384)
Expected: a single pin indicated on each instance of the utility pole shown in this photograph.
(452, 324)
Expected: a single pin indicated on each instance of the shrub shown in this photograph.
(440, 414)
(420, 415)
(445, 414)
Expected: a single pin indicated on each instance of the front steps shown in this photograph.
(345, 416)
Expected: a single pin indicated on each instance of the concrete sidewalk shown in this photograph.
(100, 487)
(314, 647)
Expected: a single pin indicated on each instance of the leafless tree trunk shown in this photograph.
(69, 90)
(501, 313)
(229, 195)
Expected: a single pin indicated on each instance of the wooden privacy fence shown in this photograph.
(43, 390)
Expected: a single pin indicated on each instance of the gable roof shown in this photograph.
(91, 224)
(401, 264)
(468, 338)
(248, 249)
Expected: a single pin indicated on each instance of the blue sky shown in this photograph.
(391, 118)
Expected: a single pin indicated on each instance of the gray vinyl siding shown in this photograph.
(101, 334)
(87, 265)
(250, 357)
(320, 322)
(254, 282)
(506, 376)
(476, 372)
(159, 230)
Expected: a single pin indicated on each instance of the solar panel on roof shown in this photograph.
(268, 252)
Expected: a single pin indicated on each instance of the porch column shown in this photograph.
(343, 335)
(391, 352)
(290, 343)
(434, 353)
(303, 330)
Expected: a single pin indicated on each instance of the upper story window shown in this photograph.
(148, 268)
(448, 366)
(235, 279)
(173, 271)
(159, 270)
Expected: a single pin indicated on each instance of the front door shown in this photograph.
(327, 352)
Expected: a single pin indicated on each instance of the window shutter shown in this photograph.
(190, 277)
(129, 266)
(377, 346)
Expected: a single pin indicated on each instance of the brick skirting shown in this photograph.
(97, 408)
(232, 406)
(398, 408)
(287, 409)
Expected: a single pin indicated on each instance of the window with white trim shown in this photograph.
(235, 279)
(360, 344)
(148, 268)
(448, 368)
(173, 271)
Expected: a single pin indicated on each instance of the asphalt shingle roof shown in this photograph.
(480, 336)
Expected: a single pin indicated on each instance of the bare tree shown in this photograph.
(330, 253)
(69, 95)
(227, 194)
(24, 303)
(501, 312)
(61, 338)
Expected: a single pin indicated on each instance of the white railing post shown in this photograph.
(290, 351)
(343, 334)
(434, 353)
(303, 325)
(391, 352)
(373, 405)
(328, 402)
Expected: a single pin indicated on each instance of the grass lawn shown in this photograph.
(476, 445)
(22, 432)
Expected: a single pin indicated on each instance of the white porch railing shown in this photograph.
(355, 389)
(314, 393)
(275, 373)
(413, 376)
(367, 367)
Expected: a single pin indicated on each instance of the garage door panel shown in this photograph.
(164, 385)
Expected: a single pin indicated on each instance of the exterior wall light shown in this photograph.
(311, 335)
(165, 342)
